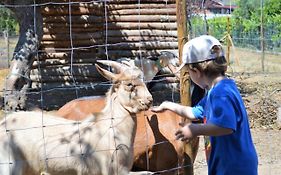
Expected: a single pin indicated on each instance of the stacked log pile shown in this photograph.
(77, 34)
(70, 44)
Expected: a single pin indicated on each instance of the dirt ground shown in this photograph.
(267, 143)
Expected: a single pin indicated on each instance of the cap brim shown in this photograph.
(179, 68)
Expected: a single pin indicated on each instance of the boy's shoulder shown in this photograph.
(226, 87)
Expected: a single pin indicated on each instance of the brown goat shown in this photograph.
(155, 147)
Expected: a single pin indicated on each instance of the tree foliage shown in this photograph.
(7, 21)
(250, 12)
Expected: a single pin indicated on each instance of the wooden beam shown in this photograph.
(191, 148)
(116, 18)
(149, 11)
(182, 39)
(142, 1)
(119, 6)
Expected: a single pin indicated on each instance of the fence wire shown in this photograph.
(250, 40)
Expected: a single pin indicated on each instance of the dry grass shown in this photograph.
(4, 51)
(251, 62)
(3, 75)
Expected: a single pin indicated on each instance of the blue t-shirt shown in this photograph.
(232, 154)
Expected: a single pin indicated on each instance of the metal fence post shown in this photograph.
(6, 36)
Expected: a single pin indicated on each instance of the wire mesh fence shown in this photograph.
(77, 33)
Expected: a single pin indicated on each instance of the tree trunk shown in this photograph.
(31, 31)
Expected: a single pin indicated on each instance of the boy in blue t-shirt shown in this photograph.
(232, 148)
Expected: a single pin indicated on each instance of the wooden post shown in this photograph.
(182, 39)
(190, 149)
(228, 42)
(6, 36)
(262, 37)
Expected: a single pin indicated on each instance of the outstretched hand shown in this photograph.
(157, 109)
(185, 133)
(160, 108)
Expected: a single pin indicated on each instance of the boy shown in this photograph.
(232, 148)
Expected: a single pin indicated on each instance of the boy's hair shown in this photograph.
(217, 66)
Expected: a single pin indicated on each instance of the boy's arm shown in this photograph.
(191, 130)
(184, 111)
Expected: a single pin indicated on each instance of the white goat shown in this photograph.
(32, 143)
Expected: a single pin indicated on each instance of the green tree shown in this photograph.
(272, 16)
(7, 20)
(248, 20)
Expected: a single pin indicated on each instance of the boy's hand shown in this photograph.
(159, 108)
(185, 133)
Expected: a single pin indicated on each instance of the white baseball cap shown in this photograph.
(199, 49)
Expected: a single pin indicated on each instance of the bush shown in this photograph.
(7, 21)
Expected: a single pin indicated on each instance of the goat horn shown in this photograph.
(105, 73)
(126, 63)
(118, 66)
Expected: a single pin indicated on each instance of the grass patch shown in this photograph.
(3, 75)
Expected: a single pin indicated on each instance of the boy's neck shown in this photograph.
(215, 80)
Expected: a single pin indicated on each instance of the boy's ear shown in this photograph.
(193, 69)
(197, 71)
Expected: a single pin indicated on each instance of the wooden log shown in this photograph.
(110, 33)
(110, 40)
(96, 36)
(131, 39)
(116, 18)
(118, 6)
(144, 32)
(115, 54)
(112, 54)
(73, 25)
(126, 50)
(77, 11)
(63, 29)
(66, 2)
(141, 18)
(74, 19)
(141, 11)
(149, 51)
(63, 62)
(59, 28)
(54, 10)
(142, 1)
(75, 70)
(142, 25)
(67, 55)
(66, 78)
(67, 44)
(96, 49)
(95, 88)
(143, 45)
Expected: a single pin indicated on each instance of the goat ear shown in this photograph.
(105, 73)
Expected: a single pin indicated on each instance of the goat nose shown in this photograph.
(149, 99)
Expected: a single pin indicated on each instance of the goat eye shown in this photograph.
(129, 87)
